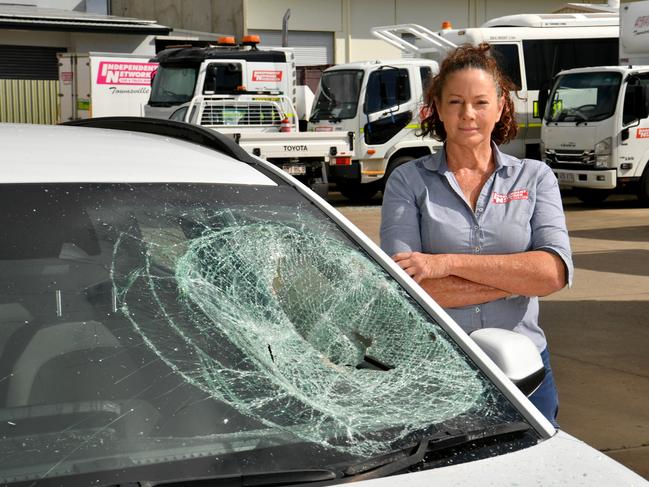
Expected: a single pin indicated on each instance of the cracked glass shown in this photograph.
(152, 323)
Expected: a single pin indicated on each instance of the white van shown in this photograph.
(177, 312)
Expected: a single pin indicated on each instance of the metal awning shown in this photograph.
(34, 18)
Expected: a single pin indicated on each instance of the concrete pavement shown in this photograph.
(598, 331)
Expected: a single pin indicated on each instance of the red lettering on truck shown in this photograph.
(266, 75)
(111, 73)
(642, 134)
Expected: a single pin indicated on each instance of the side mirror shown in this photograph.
(514, 354)
(544, 94)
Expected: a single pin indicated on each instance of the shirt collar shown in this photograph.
(437, 161)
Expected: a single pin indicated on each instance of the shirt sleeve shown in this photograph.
(548, 222)
(400, 213)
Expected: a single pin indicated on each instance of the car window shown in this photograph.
(148, 322)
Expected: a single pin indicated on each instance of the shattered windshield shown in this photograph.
(149, 323)
(583, 97)
(173, 85)
(337, 95)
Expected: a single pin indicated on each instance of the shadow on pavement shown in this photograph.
(610, 334)
(634, 262)
(613, 202)
(625, 234)
(336, 199)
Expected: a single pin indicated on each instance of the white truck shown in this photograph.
(595, 132)
(378, 101)
(98, 84)
(250, 94)
(530, 48)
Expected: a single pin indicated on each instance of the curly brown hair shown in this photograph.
(469, 57)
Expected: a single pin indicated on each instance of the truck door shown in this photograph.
(389, 105)
(633, 146)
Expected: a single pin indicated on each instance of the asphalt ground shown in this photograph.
(598, 330)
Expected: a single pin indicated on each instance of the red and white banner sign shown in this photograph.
(642, 21)
(642, 134)
(519, 194)
(66, 77)
(266, 75)
(125, 73)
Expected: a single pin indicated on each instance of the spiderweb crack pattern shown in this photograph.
(286, 323)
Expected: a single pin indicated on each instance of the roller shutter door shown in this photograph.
(29, 62)
(311, 48)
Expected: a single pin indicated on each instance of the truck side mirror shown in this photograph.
(544, 94)
(514, 354)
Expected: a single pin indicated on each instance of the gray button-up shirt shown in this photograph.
(519, 209)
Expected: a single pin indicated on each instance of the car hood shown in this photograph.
(559, 461)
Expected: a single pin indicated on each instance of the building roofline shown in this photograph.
(31, 18)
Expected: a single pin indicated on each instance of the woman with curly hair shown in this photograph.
(481, 231)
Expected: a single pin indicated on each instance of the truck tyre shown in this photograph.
(591, 197)
(643, 190)
(357, 192)
(393, 164)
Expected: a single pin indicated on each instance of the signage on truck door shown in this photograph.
(266, 75)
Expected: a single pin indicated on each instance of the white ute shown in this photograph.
(250, 94)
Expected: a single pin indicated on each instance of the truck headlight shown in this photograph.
(603, 152)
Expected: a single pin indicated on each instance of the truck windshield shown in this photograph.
(149, 323)
(337, 95)
(173, 85)
(583, 97)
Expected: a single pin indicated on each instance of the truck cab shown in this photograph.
(380, 102)
(232, 88)
(596, 131)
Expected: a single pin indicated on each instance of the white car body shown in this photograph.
(40, 154)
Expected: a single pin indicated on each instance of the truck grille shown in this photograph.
(565, 156)
(246, 115)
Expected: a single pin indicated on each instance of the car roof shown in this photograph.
(46, 153)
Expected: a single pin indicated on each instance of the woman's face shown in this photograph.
(470, 107)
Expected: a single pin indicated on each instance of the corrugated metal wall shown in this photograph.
(29, 101)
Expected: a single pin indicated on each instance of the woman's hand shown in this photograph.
(424, 266)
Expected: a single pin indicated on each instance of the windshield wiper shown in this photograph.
(263, 479)
(400, 460)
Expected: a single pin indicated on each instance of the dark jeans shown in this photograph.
(546, 397)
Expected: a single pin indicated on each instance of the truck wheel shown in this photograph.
(395, 163)
(357, 192)
(591, 196)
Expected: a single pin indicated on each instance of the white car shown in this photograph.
(175, 311)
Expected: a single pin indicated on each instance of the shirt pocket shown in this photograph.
(508, 227)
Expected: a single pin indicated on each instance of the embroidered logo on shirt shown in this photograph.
(519, 194)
